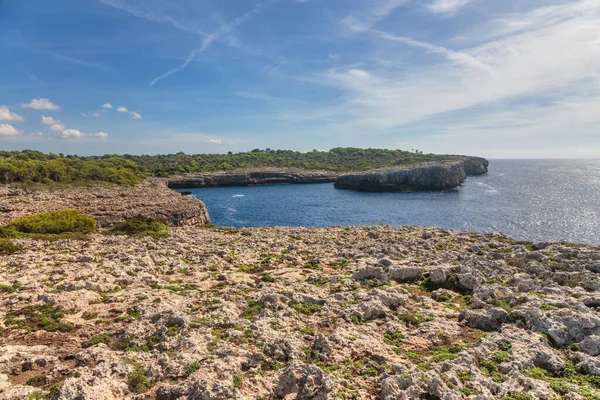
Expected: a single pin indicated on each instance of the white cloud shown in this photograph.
(9, 130)
(49, 120)
(84, 114)
(371, 14)
(8, 116)
(96, 115)
(41, 104)
(76, 134)
(447, 6)
(260, 96)
(58, 127)
(135, 115)
(37, 134)
(214, 141)
(546, 61)
(122, 109)
(107, 106)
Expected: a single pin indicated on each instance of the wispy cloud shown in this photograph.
(122, 109)
(49, 120)
(447, 6)
(41, 104)
(210, 39)
(373, 12)
(135, 115)
(107, 106)
(265, 97)
(214, 141)
(77, 134)
(7, 116)
(77, 61)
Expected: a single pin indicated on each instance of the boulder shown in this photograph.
(485, 319)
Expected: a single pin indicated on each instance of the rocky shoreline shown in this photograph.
(248, 177)
(438, 175)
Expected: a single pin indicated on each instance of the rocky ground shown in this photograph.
(290, 313)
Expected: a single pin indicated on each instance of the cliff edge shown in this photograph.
(108, 204)
(425, 176)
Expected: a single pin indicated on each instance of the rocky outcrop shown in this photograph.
(425, 176)
(108, 204)
(264, 176)
(475, 166)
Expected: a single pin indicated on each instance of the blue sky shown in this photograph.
(511, 78)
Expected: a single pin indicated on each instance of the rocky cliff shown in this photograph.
(108, 204)
(425, 176)
(264, 176)
(476, 166)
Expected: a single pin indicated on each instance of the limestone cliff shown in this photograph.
(108, 204)
(263, 176)
(424, 176)
(475, 166)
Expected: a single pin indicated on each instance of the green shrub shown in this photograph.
(501, 356)
(306, 308)
(101, 338)
(7, 247)
(138, 382)
(142, 226)
(54, 222)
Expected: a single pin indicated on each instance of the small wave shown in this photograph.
(232, 210)
(238, 195)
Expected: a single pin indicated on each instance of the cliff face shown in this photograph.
(108, 204)
(250, 177)
(475, 166)
(425, 176)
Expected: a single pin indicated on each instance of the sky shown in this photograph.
(499, 79)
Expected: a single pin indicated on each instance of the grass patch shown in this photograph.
(142, 226)
(44, 317)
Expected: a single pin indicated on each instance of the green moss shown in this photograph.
(54, 222)
(393, 338)
(267, 278)
(140, 225)
(39, 317)
(7, 289)
(87, 315)
(464, 376)
(37, 381)
(306, 308)
(548, 307)
(560, 387)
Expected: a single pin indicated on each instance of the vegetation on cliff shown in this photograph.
(34, 166)
(140, 225)
(338, 159)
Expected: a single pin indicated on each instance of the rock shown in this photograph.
(370, 273)
(487, 320)
(549, 362)
(539, 245)
(246, 177)
(307, 381)
(443, 295)
(111, 205)
(591, 345)
(405, 274)
(595, 267)
(475, 165)
(424, 176)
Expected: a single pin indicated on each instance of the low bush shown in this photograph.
(141, 226)
(7, 247)
(44, 317)
(53, 222)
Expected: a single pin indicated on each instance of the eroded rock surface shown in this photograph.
(293, 313)
(108, 204)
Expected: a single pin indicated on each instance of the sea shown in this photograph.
(537, 200)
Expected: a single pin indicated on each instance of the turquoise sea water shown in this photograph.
(527, 199)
